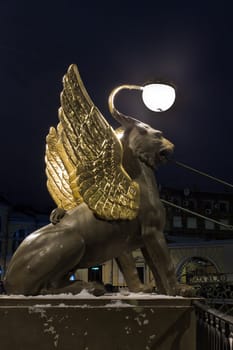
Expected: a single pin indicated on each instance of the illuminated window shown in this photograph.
(73, 277)
(95, 273)
(177, 221)
(209, 225)
(191, 222)
(224, 221)
(196, 269)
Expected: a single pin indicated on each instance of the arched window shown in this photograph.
(196, 269)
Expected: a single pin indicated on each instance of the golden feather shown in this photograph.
(93, 154)
(58, 168)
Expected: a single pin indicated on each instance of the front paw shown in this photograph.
(185, 290)
(146, 288)
(96, 288)
(142, 288)
(56, 215)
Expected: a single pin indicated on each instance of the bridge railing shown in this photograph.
(214, 329)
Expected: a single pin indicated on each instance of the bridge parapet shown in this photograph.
(111, 322)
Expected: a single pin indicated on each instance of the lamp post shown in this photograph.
(157, 96)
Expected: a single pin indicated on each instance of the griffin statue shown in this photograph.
(107, 198)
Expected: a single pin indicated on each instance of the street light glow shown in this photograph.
(158, 97)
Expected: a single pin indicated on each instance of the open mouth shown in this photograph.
(165, 154)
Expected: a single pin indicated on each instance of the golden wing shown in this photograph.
(94, 154)
(58, 167)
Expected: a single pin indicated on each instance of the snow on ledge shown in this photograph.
(84, 294)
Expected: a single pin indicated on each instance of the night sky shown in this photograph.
(187, 43)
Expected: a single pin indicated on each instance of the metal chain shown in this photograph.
(229, 227)
(202, 173)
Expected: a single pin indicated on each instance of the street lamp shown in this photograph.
(157, 96)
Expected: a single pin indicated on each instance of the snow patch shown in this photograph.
(48, 327)
(84, 294)
(117, 303)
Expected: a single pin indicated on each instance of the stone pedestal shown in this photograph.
(106, 323)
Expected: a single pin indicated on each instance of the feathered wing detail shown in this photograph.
(94, 154)
(58, 167)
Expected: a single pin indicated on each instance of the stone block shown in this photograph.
(111, 322)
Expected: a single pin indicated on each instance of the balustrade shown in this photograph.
(214, 329)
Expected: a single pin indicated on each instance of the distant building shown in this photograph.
(200, 247)
(15, 224)
(217, 206)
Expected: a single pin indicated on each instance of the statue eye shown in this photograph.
(158, 134)
(142, 131)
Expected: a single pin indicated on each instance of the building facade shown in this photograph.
(15, 225)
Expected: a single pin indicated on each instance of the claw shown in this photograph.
(185, 290)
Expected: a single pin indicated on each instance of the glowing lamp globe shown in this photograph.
(158, 97)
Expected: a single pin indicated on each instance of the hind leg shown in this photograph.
(75, 287)
(44, 258)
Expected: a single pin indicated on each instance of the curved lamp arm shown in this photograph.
(157, 96)
(120, 117)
